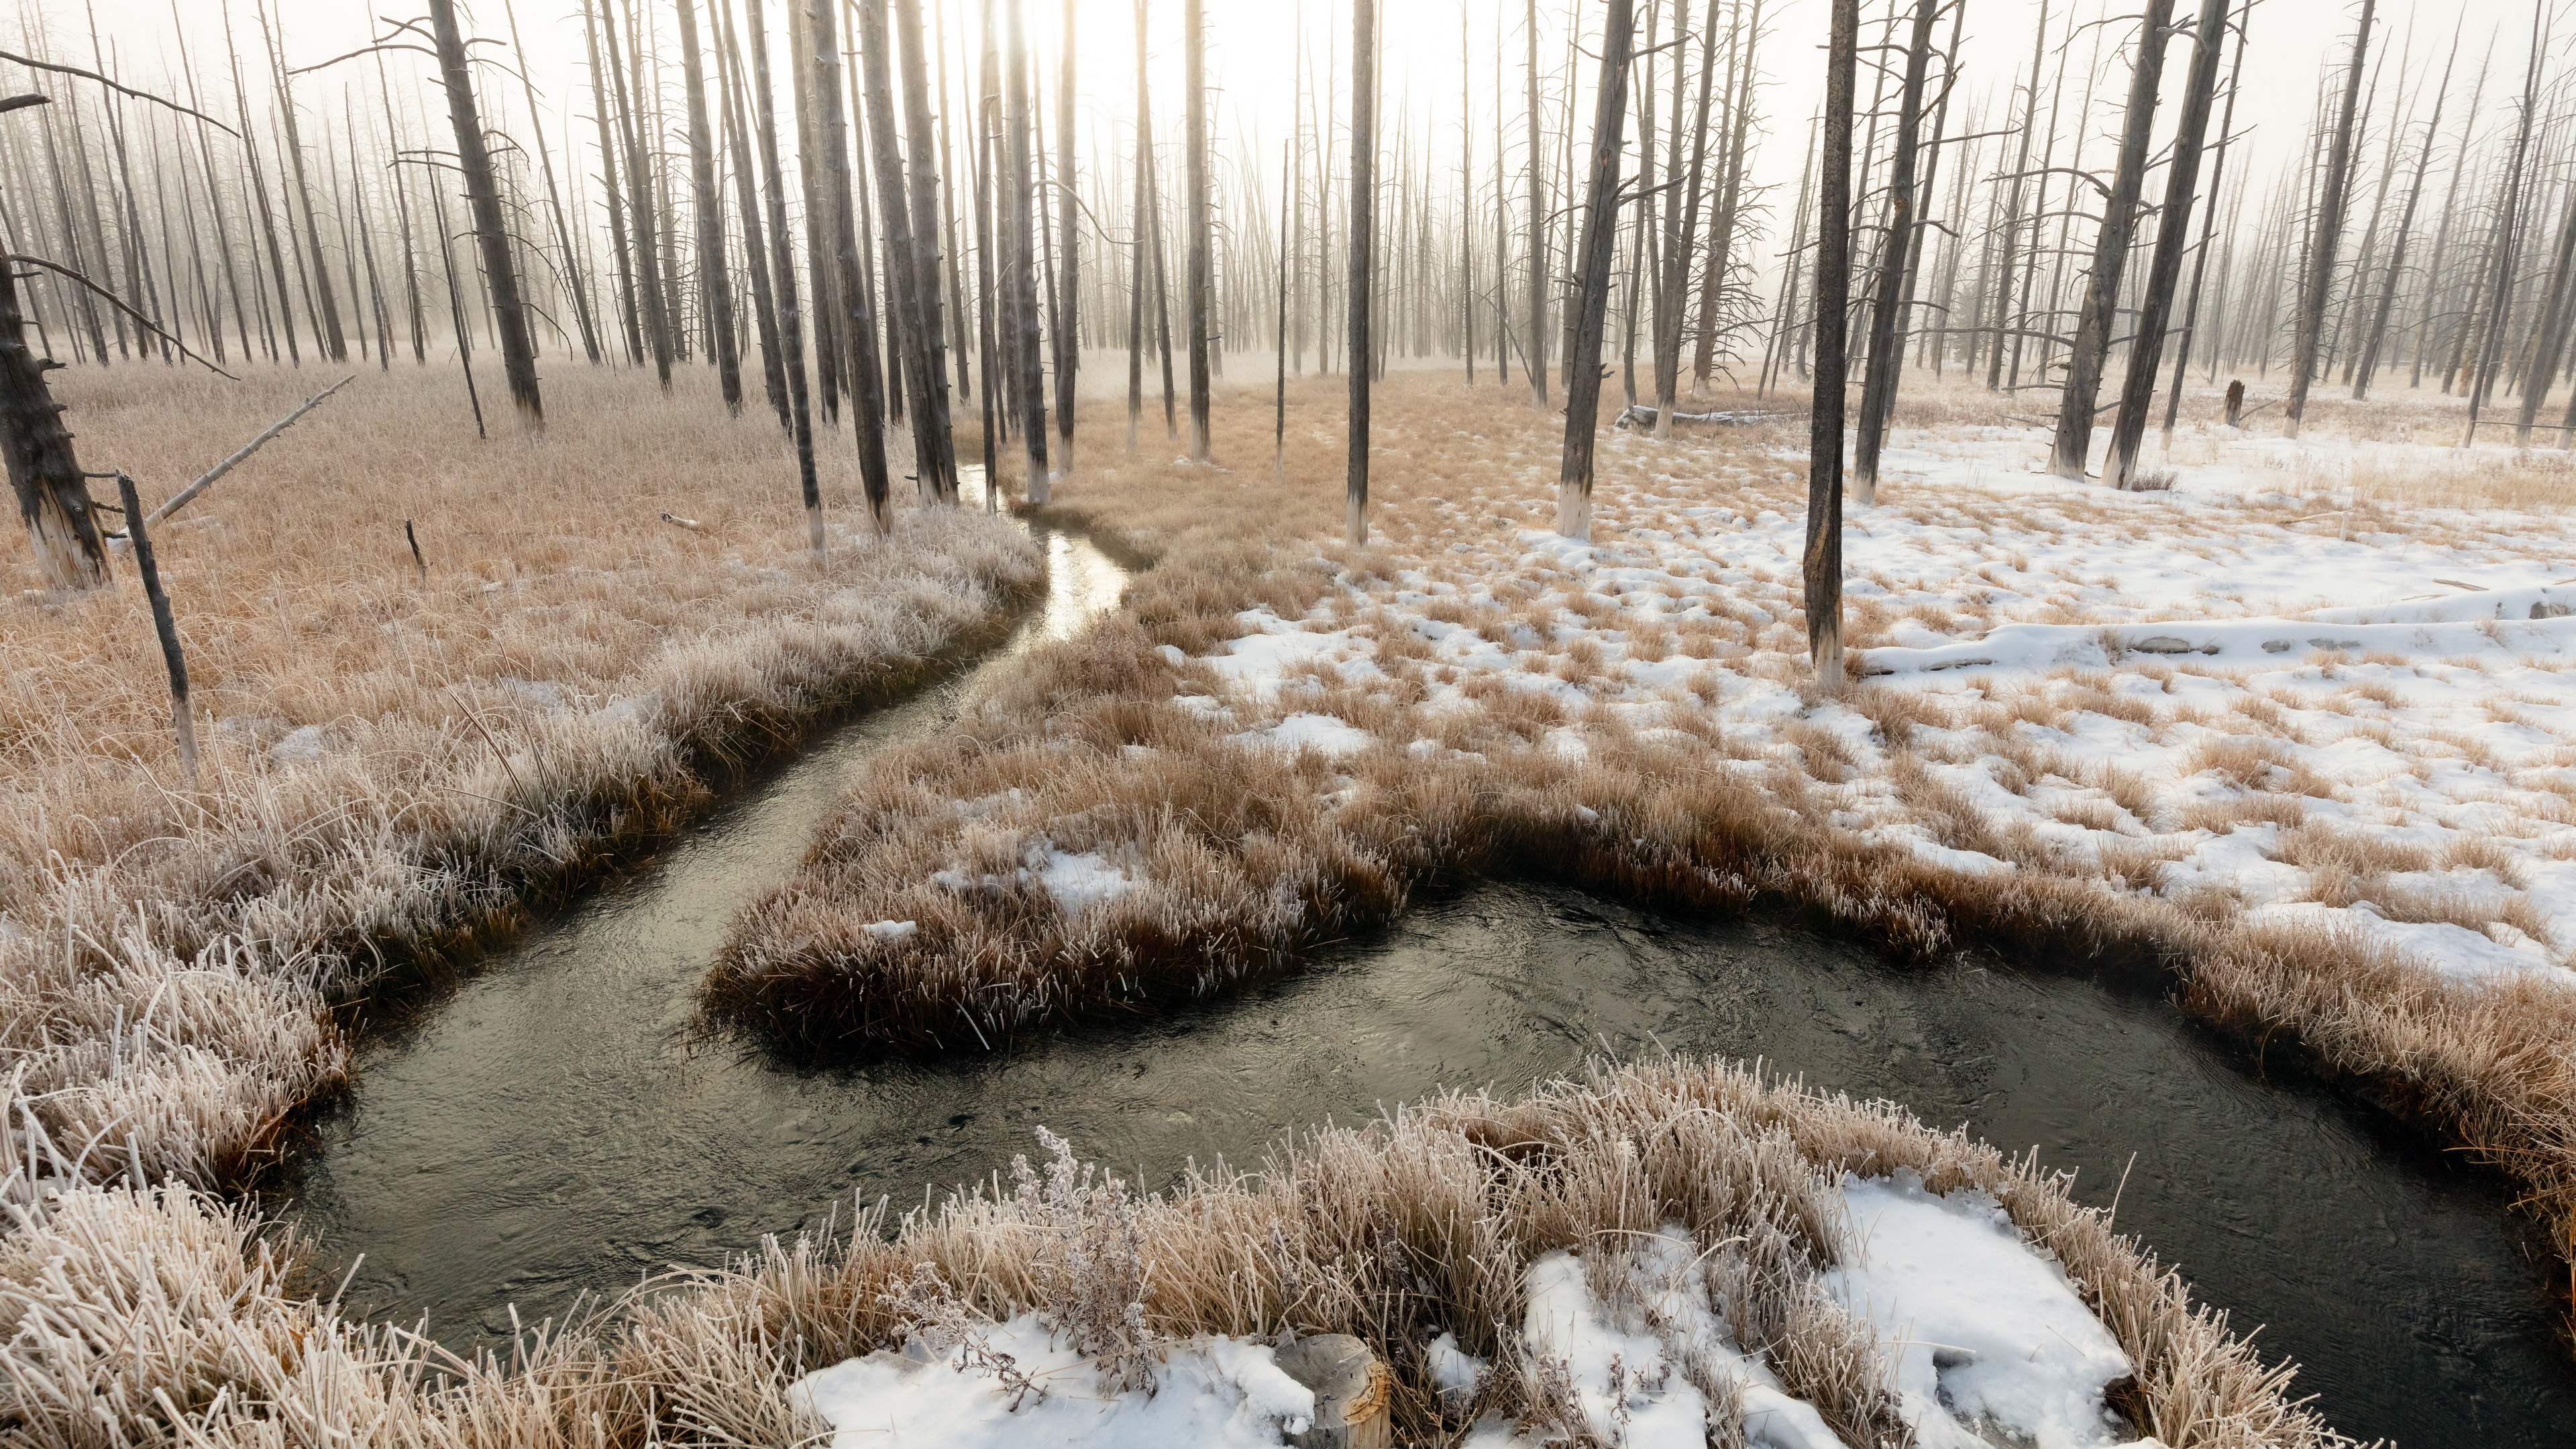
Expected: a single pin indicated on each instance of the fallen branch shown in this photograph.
(1644, 416)
(163, 626)
(690, 524)
(189, 493)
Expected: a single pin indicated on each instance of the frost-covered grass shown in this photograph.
(1677, 1244)
(393, 764)
(2319, 764)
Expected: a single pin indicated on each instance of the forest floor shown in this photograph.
(2289, 730)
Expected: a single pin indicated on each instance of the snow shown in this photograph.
(1984, 1330)
(892, 930)
(1080, 881)
(2228, 692)
(1218, 1392)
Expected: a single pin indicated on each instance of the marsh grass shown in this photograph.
(1125, 744)
(394, 765)
(1421, 1223)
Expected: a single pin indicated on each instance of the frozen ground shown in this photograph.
(1632, 1341)
(2255, 703)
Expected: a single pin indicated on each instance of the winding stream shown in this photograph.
(553, 1128)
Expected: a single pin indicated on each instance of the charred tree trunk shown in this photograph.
(1021, 259)
(1886, 354)
(1534, 362)
(53, 497)
(2173, 230)
(1823, 561)
(491, 229)
(1202, 279)
(1592, 274)
(791, 323)
(714, 281)
(1363, 265)
(2319, 282)
(2092, 342)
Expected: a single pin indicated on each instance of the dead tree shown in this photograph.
(791, 324)
(936, 457)
(1068, 339)
(1591, 299)
(621, 249)
(2208, 230)
(326, 307)
(1886, 354)
(1020, 257)
(756, 252)
(554, 195)
(2508, 220)
(714, 280)
(838, 201)
(2092, 344)
(1672, 280)
(53, 496)
(1361, 293)
(1136, 238)
(1534, 360)
(2319, 281)
(1823, 560)
(1202, 280)
(491, 229)
(2173, 231)
(653, 301)
(2396, 268)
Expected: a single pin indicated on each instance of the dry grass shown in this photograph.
(1122, 744)
(393, 764)
(1420, 1224)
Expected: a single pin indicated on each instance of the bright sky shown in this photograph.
(1253, 45)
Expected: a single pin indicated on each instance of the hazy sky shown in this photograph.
(1253, 48)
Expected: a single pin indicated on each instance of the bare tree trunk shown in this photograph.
(2208, 229)
(2173, 230)
(1202, 281)
(1363, 264)
(2372, 345)
(1138, 229)
(935, 455)
(655, 302)
(2092, 343)
(491, 230)
(2508, 218)
(1466, 194)
(2436, 277)
(2319, 282)
(838, 201)
(791, 323)
(713, 278)
(335, 344)
(756, 251)
(1535, 361)
(1021, 261)
(1592, 274)
(1673, 283)
(1823, 561)
(259, 192)
(1886, 354)
(53, 497)
(602, 89)
(554, 195)
(1068, 351)
(906, 330)
(1721, 251)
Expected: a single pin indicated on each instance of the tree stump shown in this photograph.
(1353, 1392)
(2235, 401)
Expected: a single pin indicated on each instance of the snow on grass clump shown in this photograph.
(1222, 1393)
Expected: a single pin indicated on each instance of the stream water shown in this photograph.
(554, 1127)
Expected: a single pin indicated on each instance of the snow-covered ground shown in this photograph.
(1630, 1339)
(2263, 704)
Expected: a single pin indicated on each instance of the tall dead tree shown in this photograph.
(1137, 229)
(1886, 354)
(491, 227)
(935, 456)
(756, 252)
(621, 248)
(2092, 344)
(2318, 283)
(326, 307)
(2208, 230)
(715, 281)
(53, 496)
(1068, 346)
(1591, 300)
(1534, 359)
(1361, 293)
(1681, 227)
(854, 316)
(653, 303)
(1020, 256)
(791, 322)
(2173, 231)
(2500, 261)
(554, 194)
(1822, 564)
(1202, 280)
(2396, 269)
